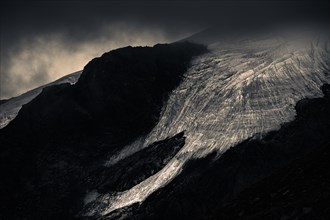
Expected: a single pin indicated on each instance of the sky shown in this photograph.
(43, 41)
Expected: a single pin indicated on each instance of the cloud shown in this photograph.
(40, 59)
(41, 41)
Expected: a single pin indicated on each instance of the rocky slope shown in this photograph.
(9, 108)
(53, 154)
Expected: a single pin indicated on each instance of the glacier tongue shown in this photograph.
(227, 96)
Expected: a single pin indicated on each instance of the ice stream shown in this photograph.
(228, 95)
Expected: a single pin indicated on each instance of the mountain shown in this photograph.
(188, 130)
(241, 89)
(60, 141)
(9, 108)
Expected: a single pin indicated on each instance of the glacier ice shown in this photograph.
(234, 92)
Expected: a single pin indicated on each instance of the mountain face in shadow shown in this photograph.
(124, 87)
(63, 137)
(10, 107)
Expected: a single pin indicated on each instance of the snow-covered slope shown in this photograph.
(239, 90)
(10, 108)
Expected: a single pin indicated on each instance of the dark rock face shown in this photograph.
(300, 190)
(205, 189)
(2, 101)
(54, 151)
(137, 167)
(124, 87)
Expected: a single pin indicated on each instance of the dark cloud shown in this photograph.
(41, 41)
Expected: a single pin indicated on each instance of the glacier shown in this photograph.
(236, 91)
(232, 93)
